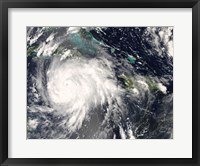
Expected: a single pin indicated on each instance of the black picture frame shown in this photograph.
(6, 4)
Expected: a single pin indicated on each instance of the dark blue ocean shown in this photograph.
(100, 82)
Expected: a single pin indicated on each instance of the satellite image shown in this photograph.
(99, 82)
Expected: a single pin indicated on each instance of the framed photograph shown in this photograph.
(99, 82)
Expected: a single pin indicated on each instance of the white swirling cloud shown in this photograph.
(77, 86)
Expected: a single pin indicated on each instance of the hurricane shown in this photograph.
(88, 83)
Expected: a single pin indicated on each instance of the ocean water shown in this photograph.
(100, 82)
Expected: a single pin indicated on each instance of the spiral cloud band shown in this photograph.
(78, 85)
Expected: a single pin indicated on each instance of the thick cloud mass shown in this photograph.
(78, 85)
